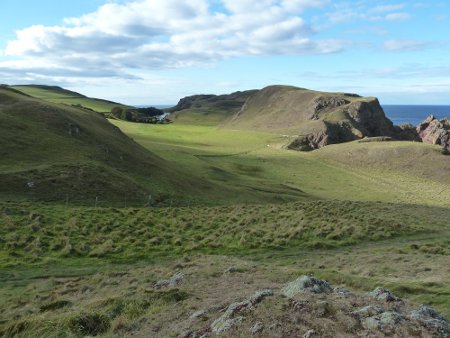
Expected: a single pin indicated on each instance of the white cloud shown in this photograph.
(387, 8)
(405, 45)
(149, 34)
(398, 16)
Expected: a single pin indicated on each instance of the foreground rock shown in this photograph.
(310, 307)
(306, 284)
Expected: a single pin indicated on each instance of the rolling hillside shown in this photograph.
(56, 94)
(54, 152)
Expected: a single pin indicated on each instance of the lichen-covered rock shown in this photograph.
(426, 312)
(385, 321)
(233, 315)
(383, 295)
(260, 295)
(176, 279)
(390, 318)
(368, 311)
(221, 325)
(258, 327)
(432, 320)
(306, 284)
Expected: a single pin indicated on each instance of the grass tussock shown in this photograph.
(112, 233)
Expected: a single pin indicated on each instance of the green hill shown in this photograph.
(56, 94)
(209, 109)
(316, 118)
(54, 152)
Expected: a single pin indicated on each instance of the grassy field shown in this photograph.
(360, 215)
(67, 97)
(255, 161)
(63, 265)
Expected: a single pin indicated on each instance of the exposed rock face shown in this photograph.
(357, 120)
(434, 131)
(407, 132)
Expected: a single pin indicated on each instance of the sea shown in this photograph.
(414, 114)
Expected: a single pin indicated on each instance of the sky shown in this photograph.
(157, 51)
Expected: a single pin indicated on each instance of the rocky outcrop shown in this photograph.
(306, 284)
(345, 121)
(311, 307)
(435, 131)
(319, 118)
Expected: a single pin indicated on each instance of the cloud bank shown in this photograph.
(149, 34)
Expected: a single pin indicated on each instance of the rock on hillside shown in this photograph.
(317, 118)
(310, 307)
(434, 131)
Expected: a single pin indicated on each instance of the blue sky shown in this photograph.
(157, 51)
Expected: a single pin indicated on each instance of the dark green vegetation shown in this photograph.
(143, 115)
(360, 215)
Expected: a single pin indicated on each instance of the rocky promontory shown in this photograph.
(311, 119)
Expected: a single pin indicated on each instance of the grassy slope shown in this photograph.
(67, 97)
(200, 117)
(287, 109)
(64, 151)
(255, 160)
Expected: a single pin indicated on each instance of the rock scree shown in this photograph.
(310, 307)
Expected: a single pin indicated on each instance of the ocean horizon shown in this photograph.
(414, 114)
